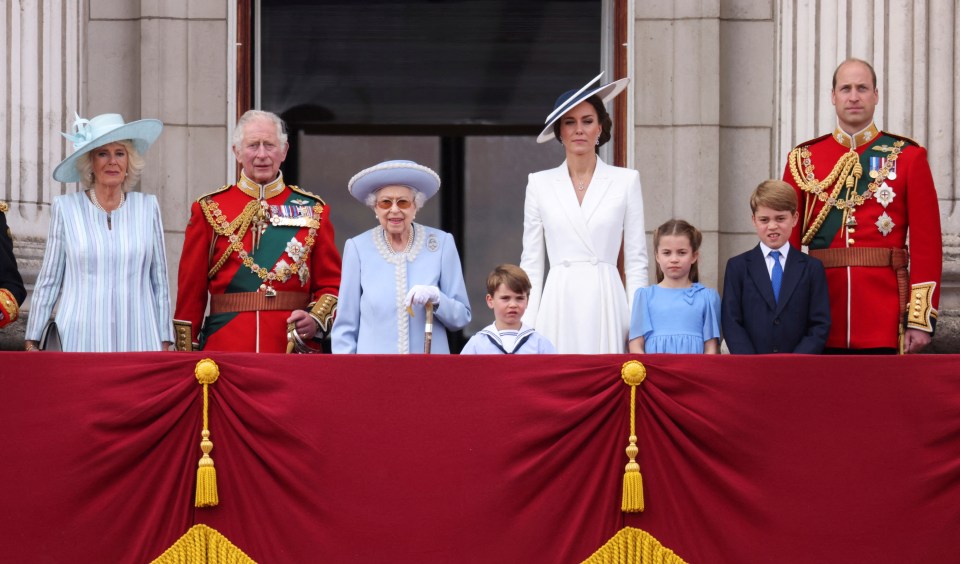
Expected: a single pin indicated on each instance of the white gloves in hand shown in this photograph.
(420, 294)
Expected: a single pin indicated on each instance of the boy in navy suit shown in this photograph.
(775, 296)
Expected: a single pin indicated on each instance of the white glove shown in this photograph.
(420, 294)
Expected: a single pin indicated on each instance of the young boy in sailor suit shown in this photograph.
(508, 289)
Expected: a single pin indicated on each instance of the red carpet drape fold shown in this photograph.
(481, 459)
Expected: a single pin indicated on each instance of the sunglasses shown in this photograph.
(387, 203)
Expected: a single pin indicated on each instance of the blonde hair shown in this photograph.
(510, 275)
(774, 194)
(135, 164)
(675, 228)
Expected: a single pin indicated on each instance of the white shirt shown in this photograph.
(769, 259)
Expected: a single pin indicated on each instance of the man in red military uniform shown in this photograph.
(262, 251)
(12, 292)
(862, 191)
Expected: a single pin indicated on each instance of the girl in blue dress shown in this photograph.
(678, 315)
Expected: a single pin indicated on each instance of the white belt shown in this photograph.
(594, 261)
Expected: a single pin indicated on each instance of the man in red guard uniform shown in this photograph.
(862, 191)
(12, 292)
(264, 253)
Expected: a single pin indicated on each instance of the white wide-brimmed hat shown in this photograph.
(569, 99)
(88, 134)
(394, 173)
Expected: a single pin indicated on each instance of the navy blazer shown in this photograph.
(754, 323)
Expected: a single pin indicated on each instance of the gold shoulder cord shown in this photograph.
(839, 177)
(847, 173)
(220, 225)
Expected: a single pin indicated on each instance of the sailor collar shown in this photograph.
(260, 192)
(858, 139)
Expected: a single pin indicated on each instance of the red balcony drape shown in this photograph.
(481, 459)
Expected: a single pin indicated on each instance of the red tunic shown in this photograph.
(203, 247)
(865, 301)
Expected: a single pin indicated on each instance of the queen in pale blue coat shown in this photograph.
(392, 271)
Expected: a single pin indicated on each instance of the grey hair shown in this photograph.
(135, 164)
(252, 115)
(418, 198)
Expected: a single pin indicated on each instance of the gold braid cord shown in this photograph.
(839, 177)
(633, 546)
(237, 227)
(207, 373)
(845, 174)
(202, 545)
(633, 374)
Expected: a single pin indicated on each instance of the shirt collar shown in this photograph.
(260, 192)
(858, 139)
(784, 250)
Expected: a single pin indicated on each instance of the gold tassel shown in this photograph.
(207, 373)
(633, 373)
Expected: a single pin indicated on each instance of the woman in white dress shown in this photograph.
(576, 215)
(105, 260)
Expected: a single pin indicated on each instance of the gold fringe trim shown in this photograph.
(633, 546)
(633, 373)
(202, 544)
(207, 373)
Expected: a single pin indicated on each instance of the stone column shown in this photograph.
(41, 74)
(912, 48)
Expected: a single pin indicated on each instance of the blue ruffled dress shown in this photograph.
(675, 320)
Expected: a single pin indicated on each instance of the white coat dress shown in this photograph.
(583, 306)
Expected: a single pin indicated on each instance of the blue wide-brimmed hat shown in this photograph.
(569, 99)
(88, 134)
(394, 173)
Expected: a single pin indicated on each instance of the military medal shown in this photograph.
(300, 215)
(885, 224)
(884, 195)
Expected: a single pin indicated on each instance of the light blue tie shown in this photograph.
(776, 276)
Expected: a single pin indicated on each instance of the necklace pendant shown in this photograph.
(109, 222)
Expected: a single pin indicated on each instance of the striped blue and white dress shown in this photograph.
(111, 283)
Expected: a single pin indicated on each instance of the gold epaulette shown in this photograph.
(300, 190)
(903, 138)
(215, 192)
(4, 207)
(815, 140)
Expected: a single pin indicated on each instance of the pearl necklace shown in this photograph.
(386, 240)
(96, 203)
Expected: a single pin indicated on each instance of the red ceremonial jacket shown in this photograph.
(296, 252)
(896, 197)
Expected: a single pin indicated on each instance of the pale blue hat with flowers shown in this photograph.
(394, 173)
(569, 100)
(88, 134)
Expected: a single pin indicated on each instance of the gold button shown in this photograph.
(850, 241)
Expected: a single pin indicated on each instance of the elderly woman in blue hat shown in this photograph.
(393, 270)
(105, 259)
(577, 215)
